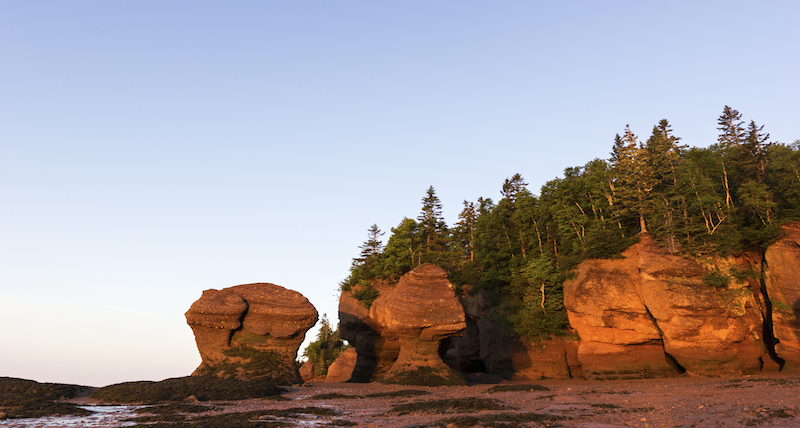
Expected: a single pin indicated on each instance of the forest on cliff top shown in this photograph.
(722, 200)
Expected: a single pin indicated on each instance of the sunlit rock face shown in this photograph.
(251, 331)
(782, 281)
(341, 369)
(421, 310)
(650, 314)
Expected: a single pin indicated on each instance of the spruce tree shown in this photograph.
(432, 229)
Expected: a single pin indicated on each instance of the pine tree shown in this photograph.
(464, 232)
(324, 351)
(662, 154)
(730, 127)
(730, 138)
(372, 246)
(631, 177)
(432, 229)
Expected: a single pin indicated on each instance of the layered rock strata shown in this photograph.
(782, 283)
(421, 311)
(651, 314)
(251, 331)
(376, 347)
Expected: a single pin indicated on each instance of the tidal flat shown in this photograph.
(768, 400)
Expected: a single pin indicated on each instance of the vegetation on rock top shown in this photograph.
(725, 199)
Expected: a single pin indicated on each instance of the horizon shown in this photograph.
(152, 151)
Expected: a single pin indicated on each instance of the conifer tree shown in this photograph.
(464, 232)
(432, 229)
(730, 127)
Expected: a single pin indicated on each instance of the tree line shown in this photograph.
(725, 199)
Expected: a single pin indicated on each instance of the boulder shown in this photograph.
(341, 369)
(251, 331)
(782, 282)
(421, 311)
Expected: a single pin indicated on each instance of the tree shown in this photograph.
(632, 178)
(464, 232)
(324, 351)
(401, 250)
(730, 138)
(730, 127)
(432, 229)
(662, 155)
(372, 246)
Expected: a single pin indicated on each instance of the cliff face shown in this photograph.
(646, 314)
(654, 314)
(782, 284)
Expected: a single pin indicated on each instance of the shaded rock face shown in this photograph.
(251, 331)
(377, 348)
(406, 323)
(650, 314)
(421, 311)
(487, 347)
(782, 283)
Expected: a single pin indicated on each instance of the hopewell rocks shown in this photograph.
(420, 311)
(251, 331)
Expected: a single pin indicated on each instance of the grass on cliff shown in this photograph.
(203, 388)
(21, 398)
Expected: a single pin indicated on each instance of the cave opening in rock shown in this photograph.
(768, 333)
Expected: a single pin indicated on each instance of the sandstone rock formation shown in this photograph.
(421, 311)
(251, 331)
(342, 369)
(650, 314)
(486, 347)
(782, 282)
(376, 347)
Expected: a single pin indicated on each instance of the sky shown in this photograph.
(151, 150)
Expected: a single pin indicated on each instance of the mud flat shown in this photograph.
(745, 401)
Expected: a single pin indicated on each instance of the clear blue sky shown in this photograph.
(151, 150)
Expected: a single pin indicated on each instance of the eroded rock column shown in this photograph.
(251, 331)
(421, 310)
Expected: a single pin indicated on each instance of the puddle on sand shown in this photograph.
(104, 416)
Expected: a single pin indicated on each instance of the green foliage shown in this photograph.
(326, 349)
(365, 293)
(725, 199)
(716, 279)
